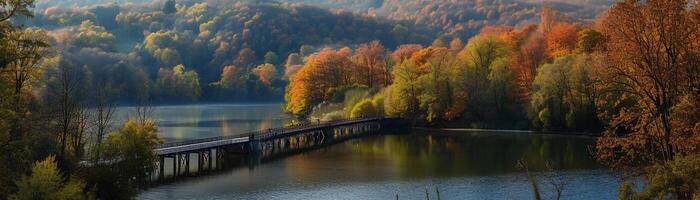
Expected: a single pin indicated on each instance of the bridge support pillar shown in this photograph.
(219, 158)
(254, 147)
(200, 160)
(176, 158)
(328, 135)
(161, 170)
(210, 158)
(187, 164)
(176, 164)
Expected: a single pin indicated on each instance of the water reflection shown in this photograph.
(465, 165)
(445, 154)
(184, 122)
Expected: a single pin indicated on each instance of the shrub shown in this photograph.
(364, 109)
(46, 183)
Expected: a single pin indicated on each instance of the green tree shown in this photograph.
(11, 8)
(440, 84)
(271, 58)
(402, 95)
(550, 88)
(589, 40)
(502, 86)
(178, 84)
(168, 56)
(90, 35)
(27, 48)
(46, 182)
(676, 179)
(131, 156)
(378, 101)
(488, 80)
(13, 151)
(564, 94)
(23, 51)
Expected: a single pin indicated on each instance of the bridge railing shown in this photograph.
(267, 133)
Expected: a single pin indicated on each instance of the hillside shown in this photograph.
(206, 38)
(225, 44)
(464, 17)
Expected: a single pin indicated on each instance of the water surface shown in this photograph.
(186, 122)
(460, 164)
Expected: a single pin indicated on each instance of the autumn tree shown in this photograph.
(372, 59)
(405, 51)
(293, 64)
(561, 39)
(550, 17)
(245, 58)
(653, 57)
(266, 73)
(321, 76)
(233, 77)
(456, 45)
(529, 49)
(439, 42)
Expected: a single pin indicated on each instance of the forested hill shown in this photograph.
(203, 51)
(464, 17)
(245, 50)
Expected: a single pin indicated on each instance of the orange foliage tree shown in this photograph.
(266, 73)
(323, 73)
(405, 51)
(654, 59)
(561, 39)
(372, 57)
(528, 53)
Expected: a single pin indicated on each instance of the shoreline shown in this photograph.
(509, 131)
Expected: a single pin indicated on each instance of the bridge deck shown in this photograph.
(213, 142)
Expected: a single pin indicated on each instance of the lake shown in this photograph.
(186, 122)
(459, 164)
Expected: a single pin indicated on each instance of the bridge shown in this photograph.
(209, 152)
